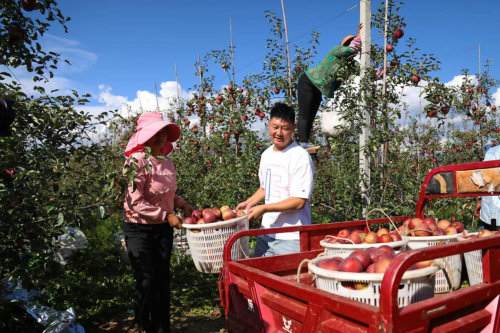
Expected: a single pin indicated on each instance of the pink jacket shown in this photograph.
(154, 196)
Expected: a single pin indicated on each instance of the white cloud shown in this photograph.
(496, 97)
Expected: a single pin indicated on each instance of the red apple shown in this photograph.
(471, 237)
(387, 248)
(331, 264)
(382, 265)
(362, 235)
(223, 208)
(363, 257)
(415, 78)
(354, 238)
(344, 233)
(371, 238)
(451, 231)
(423, 231)
(484, 233)
(443, 224)
(351, 264)
(196, 215)
(415, 223)
(440, 232)
(389, 48)
(209, 216)
(204, 211)
(373, 253)
(432, 227)
(356, 232)
(399, 33)
(217, 212)
(371, 269)
(360, 286)
(385, 238)
(429, 220)
(382, 231)
(395, 237)
(28, 5)
(228, 214)
(406, 222)
(240, 213)
(423, 264)
(189, 220)
(458, 225)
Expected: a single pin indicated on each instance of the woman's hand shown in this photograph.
(360, 26)
(255, 212)
(174, 221)
(188, 210)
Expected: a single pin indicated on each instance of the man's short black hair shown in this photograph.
(283, 111)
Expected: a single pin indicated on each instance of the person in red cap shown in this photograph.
(149, 219)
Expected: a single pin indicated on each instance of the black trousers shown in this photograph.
(490, 227)
(309, 102)
(149, 249)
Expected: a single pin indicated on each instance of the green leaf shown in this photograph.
(60, 219)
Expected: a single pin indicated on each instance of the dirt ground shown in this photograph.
(182, 322)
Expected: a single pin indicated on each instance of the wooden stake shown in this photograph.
(157, 104)
(287, 53)
(177, 84)
(201, 75)
(140, 103)
(232, 51)
(384, 148)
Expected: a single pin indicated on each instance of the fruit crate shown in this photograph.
(334, 249)
(206, 243)
(474, 263)
(449, 279)
(263, 295)
(416, 285)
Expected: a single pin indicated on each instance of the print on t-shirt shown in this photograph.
(277, 183)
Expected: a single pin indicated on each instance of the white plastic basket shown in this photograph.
(207, 245)
(473, 263)
(415, 286)
(452, 264)
(332, 250)
(121, 246)
(68, 243)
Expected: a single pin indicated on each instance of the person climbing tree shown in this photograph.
(324, 79)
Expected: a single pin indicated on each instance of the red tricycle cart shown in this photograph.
(263, 295)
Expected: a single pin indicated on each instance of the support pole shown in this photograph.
(287, 54)
(157, 104)
(177, 85)
(232, 51)
(364, 157)
(384, 147)
(201, 75)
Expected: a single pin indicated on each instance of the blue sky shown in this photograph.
(121, 47)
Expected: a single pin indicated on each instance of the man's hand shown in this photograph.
(360, 26)
(255, 212)
(245, 205)
(477, 211)
(174, 221)
(188, 210)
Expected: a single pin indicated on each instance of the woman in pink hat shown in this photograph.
(149, 218)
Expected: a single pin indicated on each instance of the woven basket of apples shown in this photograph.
(474, 259)
(427, 232)
(348, 241)
(358, 275)
(207, 231)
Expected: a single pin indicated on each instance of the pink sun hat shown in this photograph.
(148, 125)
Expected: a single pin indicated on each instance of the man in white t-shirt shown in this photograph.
(286, 184)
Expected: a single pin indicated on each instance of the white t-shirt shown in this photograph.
(284, 174)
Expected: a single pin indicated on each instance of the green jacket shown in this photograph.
(325, 74)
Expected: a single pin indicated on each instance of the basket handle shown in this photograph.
(380, 210)
(346, 239)
(300, 268)
(444, 268)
